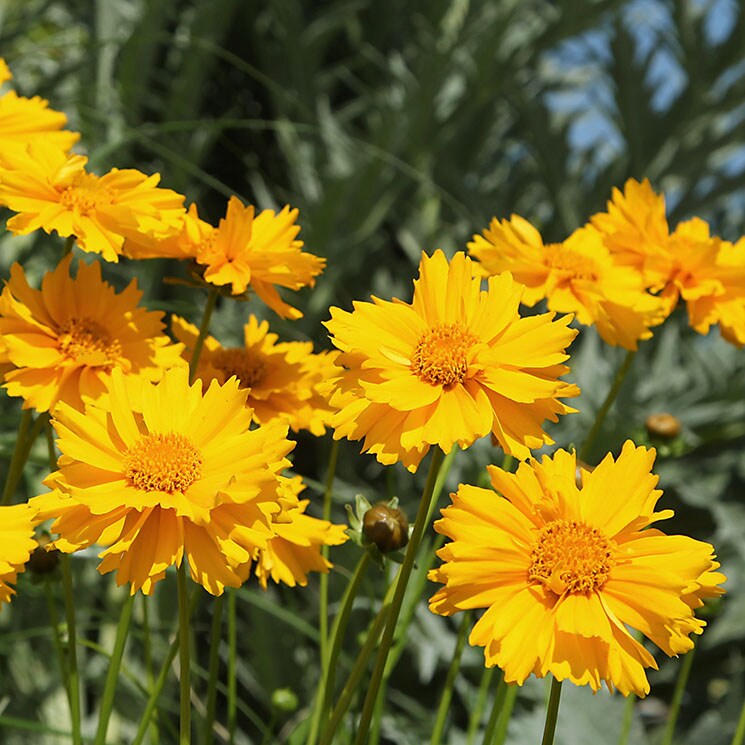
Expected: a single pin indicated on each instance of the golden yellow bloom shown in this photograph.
(258, 251)
(562, 570)
(285, 379)
(16, 542)
(5, 73)
(65, 339)
(51, 190)
(577, 276)
(295, 549)
(158, 472)
(452, 366)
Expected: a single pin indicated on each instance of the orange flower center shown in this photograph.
(569, 556)
(86, 194)
(568, 264)
(87, 342)
(441, 355)
(168, 463)
(248, 369)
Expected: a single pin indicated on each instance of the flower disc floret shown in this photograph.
(441, 355)
(249, 370)
(163, 462)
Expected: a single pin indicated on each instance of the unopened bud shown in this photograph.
(663, 426)
(42, 561)
(386, 527)
(285, 699)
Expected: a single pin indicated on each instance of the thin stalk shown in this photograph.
(504, 720)
(323, 604)
(112, 675)
(478, 708)
(586, 449)
(203, 329)
(18, 459)
(33, 433)
(232, 656)
(680, 687)
(447, 691)
(148, 658)
(628, 719)
(72, 652)
(184, 655)
(54, 623)
(212, 669)
(740, 731)
(496, 711)
(552, 712)
(398, 596)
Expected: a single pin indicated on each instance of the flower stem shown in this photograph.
(232, 656)
(54, 623)
(680, 687)
(496, 710)
(504, 719)
(552, 712)
(628, 719)
(184, 655)
(203, 329)
(72, 652)
(478, 708)
(586, 449)
(447, 691)
(212, 669)
(398, 596)
(18, 459)
(323, 604)
(107, 699)
(148, 659)
(740, 731)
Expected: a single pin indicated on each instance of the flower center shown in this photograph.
(569, 556)
(569, 264)
(87, 342)
(168, 463)
(86, 194)
(247, 368)
(441, 355)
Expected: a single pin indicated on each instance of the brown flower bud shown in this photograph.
(386, 527)
(663, 426)
(42, 561)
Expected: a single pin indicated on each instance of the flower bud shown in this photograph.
(43, 561)
(284, 699)
(581, 466)
(386, 527)
(663, 426)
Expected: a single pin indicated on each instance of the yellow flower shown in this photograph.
(17, 541)
(577, 276)
(295, 549)
(158, 472)
(258, 251)
(5, 73)
(51, 190)
(65, 339)
(285, 379)
(452, 366)
(564, 571)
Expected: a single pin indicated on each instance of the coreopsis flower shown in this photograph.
(284, 379)
(64, 340)
(295, 549)
(454, 365)
(5, 73)
(577, 276)
(564, 570)
(16, 545)
(162, 473)
(258, 251)
(51, 190)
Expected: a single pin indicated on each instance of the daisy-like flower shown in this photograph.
(285, 379)
(51, 190)
(162, 473)
(64, 340)
(295, 549)
(564, 570)
(17, 541)
(454, 365)
(258, 251)
(577, 276)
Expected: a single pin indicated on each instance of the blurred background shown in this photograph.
(396, 127)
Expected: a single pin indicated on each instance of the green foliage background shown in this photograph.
(395, 127)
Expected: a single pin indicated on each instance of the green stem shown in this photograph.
(18, 459)
(232, 666)
(680, 687)
(54, 623)
(212, 669)
(478, 708)
(184, 655)
(628, 719)
(496, 710)
(510, 697)
(398, 596)
(586, 449)
(203, 329)
(112, 675)
(323, 605)
(552, 712)
(447, 691)
(72, 652)
(740, 731)
(440, 483)
(148, 658)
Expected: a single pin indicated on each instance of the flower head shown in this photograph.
(64, 340)
(452, 366)
(51, 190)
(284, 379)
(158, 472)
(563, 569)
(16, 545)
(577, 276)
